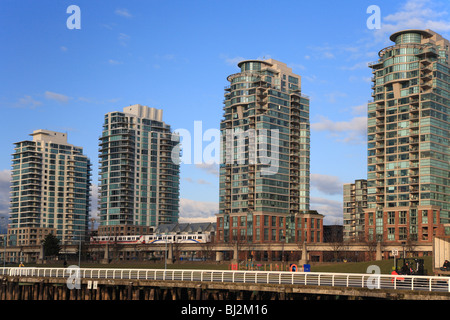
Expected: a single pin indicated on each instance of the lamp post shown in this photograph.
(5, 239)
(165, 253)
(79, 254)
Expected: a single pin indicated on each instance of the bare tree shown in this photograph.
(410, 246)
(337, 243)
(372, 248)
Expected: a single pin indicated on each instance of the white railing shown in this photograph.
(354, 280)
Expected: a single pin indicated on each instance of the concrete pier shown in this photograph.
(49, 288)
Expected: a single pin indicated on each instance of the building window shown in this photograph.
(424, 216)
(370, 217)
(281, 235)
(402, 233)
(402, 217)
(242, 234)
(391, 217)
(391, 234)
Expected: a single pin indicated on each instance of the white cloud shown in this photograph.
(351, 131)
(356, 66)
(94, 201)
(414, 14)
(297, 66)
(328, 55)
(359, 110)
(327, 184)
(56, 96)
(198, 211)
(114, 62)
(202, 181)
(5, 182)
(313, 79)
(198, 181)
(27, 102)
(231, 61)
(123, 13)
(334, 96)
(123, 39)
(331, 209)
(321, 52)
(212, 168)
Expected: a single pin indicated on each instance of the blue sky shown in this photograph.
(176, 55)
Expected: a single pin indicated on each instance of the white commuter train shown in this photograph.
(116, 239)
(153, 239)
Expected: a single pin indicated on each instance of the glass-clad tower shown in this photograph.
(139, 182)
(265, 149)
(408, 138)
(50, 189)
(355, 201)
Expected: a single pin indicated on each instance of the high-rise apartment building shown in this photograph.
(355, 201)
(265, 150)
(139, 182)
(50, 190)
(408, 139)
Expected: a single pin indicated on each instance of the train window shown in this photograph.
(200, 237)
